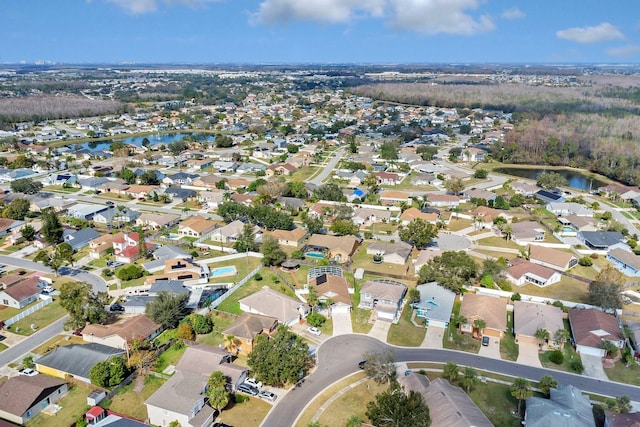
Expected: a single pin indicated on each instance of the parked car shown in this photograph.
(253, 382)
(221, 425)
(314, 331)
(29, 372)
(116, 307)
(48, 289)
(249, 389)
(114, 264)
(109, 203)
(267, 395)
(485, 341)
(2, 338)
(362, 364)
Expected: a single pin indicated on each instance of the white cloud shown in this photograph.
(624, 51)
(439, 16)
(137, 7)
(423, 16)
(331, 11)
(600, 33)
(513, 13)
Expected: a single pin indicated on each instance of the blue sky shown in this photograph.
(320, 31)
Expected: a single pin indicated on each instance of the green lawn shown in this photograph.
(404, 333)
(566, 289)
(623, 374)
(304, 173)
(508, 348)
(459, 224)
(498, 242)
(74, 404)
(360, 320)
(353, 402)
(497, 403)
(243, 267)
(231, 304)
(457, 341)
(170, 356)
(128, 402)
(246, 414)
(60, 189)
(221, 321)
(41, 318)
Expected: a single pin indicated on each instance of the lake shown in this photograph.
(574, 179)
(161, 138)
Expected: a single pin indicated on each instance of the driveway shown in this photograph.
(452, 242)
(341, 323)
(380, 330)
(433, 337)
(492, 350)
(528, 354)
(593, 367)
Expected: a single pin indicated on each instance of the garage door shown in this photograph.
(340, 309)
(491, 333)
(437, 323)
(525, 339)
(590, 350)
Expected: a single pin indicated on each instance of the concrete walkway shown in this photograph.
(380, 330)
(433, 337)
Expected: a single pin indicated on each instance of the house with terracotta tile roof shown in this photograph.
(414, 213)
(196, 226)
(126, 249)
(591, 327)
(118, 334)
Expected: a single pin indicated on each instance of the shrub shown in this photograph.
(558, 304)
(585, 261)
(505, 285)
(240, 398)
(106, 272)
(201, 324)
(297, 254)
(185, 331)
(556, 357)
(257, 277)
(129, 272)
(516, 297)
(576, 366)
(368, 235)
(316, 319)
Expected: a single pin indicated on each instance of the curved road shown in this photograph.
(328, 167)
(339, 357)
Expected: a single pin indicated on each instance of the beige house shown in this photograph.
(528, 317)
(552, 258)
(118, 334)
(268, 302)
(99, 247)
(338, 248)
(196, 226)
(492, 310)
(292, 238)
(243, 331)
(157, 221)
(393, 253)
(414, 213)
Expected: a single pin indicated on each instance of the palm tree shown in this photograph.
(542, 335)
(562, 336)
(546, 383)
(458, 319)
(232, 343)
(479, 324)
(469, 378)
(521, 390)
(451, 371)
(414, 296)
(508, 231)
(610, 348)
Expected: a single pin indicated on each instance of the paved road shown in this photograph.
(339, 356)
(98, 284)
(18, 351)
(328, 168)
(617, 215)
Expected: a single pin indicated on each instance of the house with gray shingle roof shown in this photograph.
(567, 406)
(23, 397)
(75, 360)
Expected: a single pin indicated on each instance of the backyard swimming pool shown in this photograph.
(314, 254)
(223, 271)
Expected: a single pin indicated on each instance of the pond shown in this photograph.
(160, 138)
(574, 179)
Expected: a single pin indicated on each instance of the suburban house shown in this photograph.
(552, 258)
(338, 248)
(230, 232)
(590, 327)
(393, 253)
(75, 360)
(550, 196)
(388, 178)
(162, 254)
(23, 397)
(180, 178)
(524, 188)
(424, 256)
(331, 287)
(246, 327)
(79, 239)
(119, 334)
(384, 297)
(98, 247)
(520, 272)
(391, 197)
(479, 194)
(443, 200)
(368, 216)
(115, 215)
(614, 419)
(212, 198)
(180, 269)
(484, 216)
(435, 305)
(183, 397)
(569, 208)
(292, 238)
(527, 231)
(414, 213)
(625, 261)
(125, 247)
(97, 416)
(454, 407)
(565, 406)
(492, 310)
(528, 317)
(571, 224)
(196, 226)
(85, 210)
(268, 302)
(600, 240)
(157, 221)
(19, 291)
(180, 194)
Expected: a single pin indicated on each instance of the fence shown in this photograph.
(46, 301)
(227, 294)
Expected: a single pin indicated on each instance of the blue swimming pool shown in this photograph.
(314, 254)
(223, 271)
(568, 230)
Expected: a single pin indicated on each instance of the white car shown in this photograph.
(253, 382)
(313, 330)
(29, 372)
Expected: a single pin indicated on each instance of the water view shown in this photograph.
(161, 138)
(574, 179)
